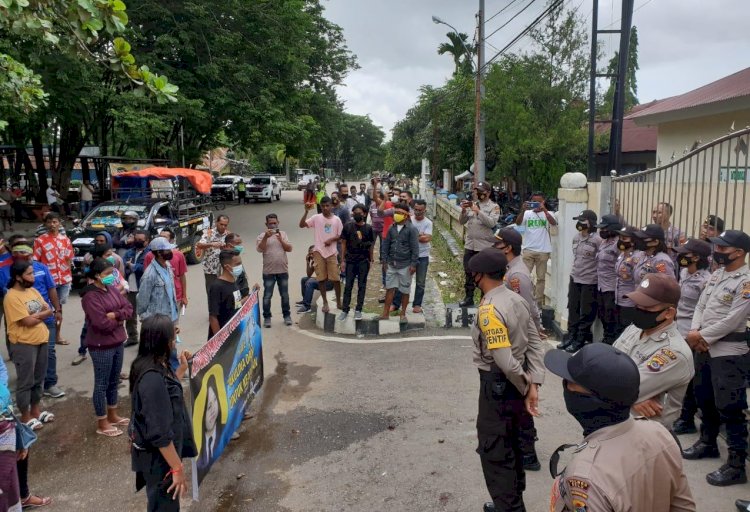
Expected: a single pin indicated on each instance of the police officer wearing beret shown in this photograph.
(582, 287)
(625, 269)
(623, 463)
(694, 274)
(480, 218)
(606, 263)
(509, 355)
(664, 359)
(719, 336)
(653, 257)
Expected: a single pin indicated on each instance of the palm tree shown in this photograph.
(457, 48)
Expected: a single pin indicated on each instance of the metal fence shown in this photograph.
(710, 180)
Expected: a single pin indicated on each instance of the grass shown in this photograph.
(451, 287)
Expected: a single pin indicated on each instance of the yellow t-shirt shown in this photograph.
(18, 305)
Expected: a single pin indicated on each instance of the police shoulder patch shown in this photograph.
(493, 329)
(657, 362)
(515, 284)
(746, 290)
(661, 268)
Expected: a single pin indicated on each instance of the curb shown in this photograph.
(370, 325)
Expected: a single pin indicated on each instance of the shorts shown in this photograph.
(63, 291)
(326, 269)
(398, 278)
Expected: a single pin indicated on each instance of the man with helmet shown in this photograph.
(124, 237)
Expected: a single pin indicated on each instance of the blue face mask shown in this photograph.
(237, 271)
(239, 249)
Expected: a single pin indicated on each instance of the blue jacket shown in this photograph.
(137, 264)
(153, 297)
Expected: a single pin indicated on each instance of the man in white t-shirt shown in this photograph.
(537, 243)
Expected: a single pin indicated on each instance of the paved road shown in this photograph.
(338, 427)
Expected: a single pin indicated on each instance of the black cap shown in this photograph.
(588, 215)
(510, 236)
(610, 222)
(715, 221)
(695, 246)
(651, 231)
(488, 261)
(607, 372)
(733, 238)
(628, 231)
(483, 186)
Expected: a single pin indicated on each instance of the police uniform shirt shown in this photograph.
(480, 226)
(504, 335)
(606, 265)
(633, 466)
(626, 283)
(723, 309)
(518, 279)
(665, 364)
(660, 262)
(585, 248)
(691, 287)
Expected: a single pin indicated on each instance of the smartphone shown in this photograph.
(533, 205)
(277, 231)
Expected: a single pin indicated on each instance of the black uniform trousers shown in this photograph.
(625, 317)
(689, 403)
(719, 386)
(581, 311)
(608, 315)
(499, 424)
(469, 285)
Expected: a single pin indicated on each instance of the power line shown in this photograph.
(644, 4)
(500, 11)
(510, 20)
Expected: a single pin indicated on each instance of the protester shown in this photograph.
(327, 230)
(401, 249)
(211, 244)
(712, 226)
(104, 239)
(673, 236)
(125, 236)
(357, 245)
(106, 311)
(55, 200)
(606, 274)
(134, 267)
(224, 298)
(7, 198)
(156, 292)
(653, 256)
(626, 281)
(377, 220)
(274, 244)
(340, 209)
(424, 227)
(25, 313)
(86, 192)
(537, 242)
(382, 206)
(309, 284)
(234, 242)
(347, 201)
(105, 251)
(362, 196)
(179, 267)
(160, 428)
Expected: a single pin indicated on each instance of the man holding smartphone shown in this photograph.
(537, 244)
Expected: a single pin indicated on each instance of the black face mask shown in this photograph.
(624, 246)
(721, 259)
(128, 224)
(167, 255)
(684, 261)
(343, 196)
(26, 284)
(359, 217)
(603, 233)
(474, 277)
(640, 244)
(592, 412)
(646, 319)
(139, 244)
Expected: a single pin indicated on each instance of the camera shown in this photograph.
(533, 205)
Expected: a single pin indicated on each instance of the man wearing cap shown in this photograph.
(625, 269)
(125, 236)
(582, 286)
(537, 242)
(653, 255)
(693, 261)
(663, 358)
(518, 279)
(623, 463)
(156, 291)
(606, 274)
(719, 336)
(480, 218)
(508, 353)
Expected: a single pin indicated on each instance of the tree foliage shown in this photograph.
(457, 47)
(631, 85)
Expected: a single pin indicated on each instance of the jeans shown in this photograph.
(107, 368)
(63, 291)
(268, 283)
(86, 207)
(51, 378)
(421, 278)
(82, 346)
(356, 270)
(309, 285)
(131, 324)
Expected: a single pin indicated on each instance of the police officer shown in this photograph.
(509, 355)
(582, 286)
(654, 256)
(623, 463)
(480, 218)
(663, 357)
(625, 269)
(719, 336)
(606, 263)
(694, 274)
(518, 279)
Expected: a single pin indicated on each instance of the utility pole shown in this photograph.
(479, 140)
(615, 138)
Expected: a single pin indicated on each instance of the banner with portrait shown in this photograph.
(225, 375)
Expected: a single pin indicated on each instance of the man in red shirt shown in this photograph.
(179, 268)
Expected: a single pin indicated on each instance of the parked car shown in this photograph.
(264, 187)
(225, 187)
(307, 178)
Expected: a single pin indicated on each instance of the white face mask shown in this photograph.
(395, 199)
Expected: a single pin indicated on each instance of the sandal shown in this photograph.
(110, 432)
(46, 417)
(34, 424)
(35, 502)
(62, 341)
(124, 422)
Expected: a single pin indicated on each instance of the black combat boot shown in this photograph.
(701, 450)
(467, 302)
(575, 346)
(531, 462)
(742, 505)
(681, 426)
(567, 340)
(731, 473)
(489, 507)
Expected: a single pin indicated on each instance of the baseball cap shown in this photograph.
(510, 236)
(604, 370)
(628, 231)
(483, 186)
(130, 213)
(651, 231)
(160, 243)
(488, 260)
(732, 238)
(716, 221)
(695, 246)
(588, 215)
(611, 222)
(656, 289)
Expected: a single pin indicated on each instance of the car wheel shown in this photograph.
(194, 256)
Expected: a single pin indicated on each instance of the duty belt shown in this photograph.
(737, 337)
(494, 374)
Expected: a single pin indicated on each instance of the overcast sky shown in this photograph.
(683, 44)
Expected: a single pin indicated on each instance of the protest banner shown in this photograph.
(225, 375)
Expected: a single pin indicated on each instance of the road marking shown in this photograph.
(367, 341)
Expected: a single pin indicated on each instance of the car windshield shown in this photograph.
(224, 181)
(260, 181)
(109, 214)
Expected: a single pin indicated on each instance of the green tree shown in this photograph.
(631, 85)
(457, 47)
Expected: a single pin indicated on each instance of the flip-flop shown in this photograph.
(25, 504)
(62, 341)
(34, 424)
(46, 417)
(110, 432)
(124, 422)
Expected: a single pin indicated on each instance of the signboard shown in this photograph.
(732, 174)
(225, 375)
